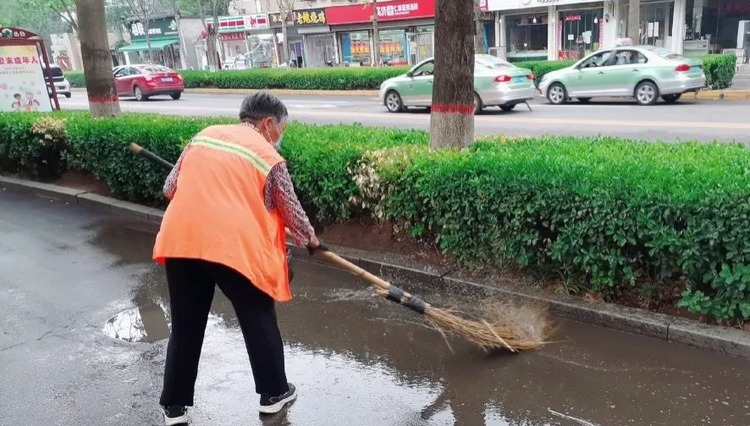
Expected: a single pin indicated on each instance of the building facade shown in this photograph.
(570, 29)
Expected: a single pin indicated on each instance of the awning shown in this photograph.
(141, 45)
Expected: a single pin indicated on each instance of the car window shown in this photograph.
(56, 71)
(153, 69)
(666, 53)
(597, 60)
(428, 68)
(492, 62)
(629, 57)
(122, 72)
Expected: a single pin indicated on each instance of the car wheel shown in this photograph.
(393, 102)
(646, 93)
(670, 99)
(584, 100)
(176, 96)
(556, 94)
(478, 105)
(68, 95)
(138, 93)
(507, 107)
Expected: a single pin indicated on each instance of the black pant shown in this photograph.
(191, 291)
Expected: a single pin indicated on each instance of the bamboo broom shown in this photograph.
(489, 335)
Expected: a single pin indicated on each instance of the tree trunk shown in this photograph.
(97, 63)
(375, 34)
(634, 21)
(284, 57)
(213, 37)
(452, 117)
(479, 33)
(148, 41)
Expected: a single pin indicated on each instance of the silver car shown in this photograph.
(496, 83)
(641, 72)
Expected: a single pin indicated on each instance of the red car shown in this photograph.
(144, 81)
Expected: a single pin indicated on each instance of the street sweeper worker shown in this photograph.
(231, 198)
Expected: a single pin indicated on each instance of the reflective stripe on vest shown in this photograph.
(243, 152)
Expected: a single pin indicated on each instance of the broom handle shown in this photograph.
(139, 150)
(354, 269)
(327, 255)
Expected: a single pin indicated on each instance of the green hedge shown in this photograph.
(540, 68)
(719, 69)
(611, 216)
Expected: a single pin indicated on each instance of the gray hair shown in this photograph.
(261, 105)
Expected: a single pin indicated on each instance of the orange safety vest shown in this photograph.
(218, 212)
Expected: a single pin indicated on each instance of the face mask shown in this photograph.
(277, 145)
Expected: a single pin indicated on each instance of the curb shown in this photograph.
(277, 92)
(723, 340)
(726, 95)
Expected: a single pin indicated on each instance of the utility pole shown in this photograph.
(375, 33)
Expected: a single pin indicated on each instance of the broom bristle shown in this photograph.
(488, 335)
(508, 327)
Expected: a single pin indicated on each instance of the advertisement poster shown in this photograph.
(22, 85)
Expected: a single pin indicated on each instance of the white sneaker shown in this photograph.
(274, 404)
(175, 415)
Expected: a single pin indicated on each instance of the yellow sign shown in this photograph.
(22, 84)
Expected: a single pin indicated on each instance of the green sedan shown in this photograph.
(641, 72)
(496, 83)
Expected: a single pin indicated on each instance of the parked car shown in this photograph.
(496, 83)
(62, 85)
(144, 81)
(641, 72)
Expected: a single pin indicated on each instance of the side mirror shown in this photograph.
(410, 74)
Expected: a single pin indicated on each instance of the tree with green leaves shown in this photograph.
(453, 97)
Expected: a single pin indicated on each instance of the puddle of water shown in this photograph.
(140, 324)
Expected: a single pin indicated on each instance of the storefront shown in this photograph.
(580, 30)
(319, 44)
(568, 29)
(405, 32)
(296, 45)
(162, 44)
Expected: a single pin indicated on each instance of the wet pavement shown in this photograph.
(83, 331)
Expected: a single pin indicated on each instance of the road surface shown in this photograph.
(701, 120)
(84, 325)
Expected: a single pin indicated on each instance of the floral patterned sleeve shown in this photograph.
(279, 194)
(170, 185)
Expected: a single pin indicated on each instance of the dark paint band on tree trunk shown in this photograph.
(453, 109)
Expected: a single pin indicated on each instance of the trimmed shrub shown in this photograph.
(33, 145)
(540, 68)
(720, 70)
(610, 214)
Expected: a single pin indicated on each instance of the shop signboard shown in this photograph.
(156, 28)
(275, 20)
(228, 24)
(226, 37)
(395, 10)
(257, 21)
(308, 17)
(22, 83)
(499, 5)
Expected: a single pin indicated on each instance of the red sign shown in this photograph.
(395, 10)
(232, 36)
